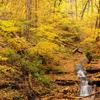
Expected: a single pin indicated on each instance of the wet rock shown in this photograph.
(65, 82)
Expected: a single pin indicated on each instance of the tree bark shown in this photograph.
(84, 8)
(27, 19)
(36, 16)
(76, 8)
(97, 25)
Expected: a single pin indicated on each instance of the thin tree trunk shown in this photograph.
(99, 15)
(28, 10)
(36, 15)
(92, 6)
(28, 19)
(76, 8)
(84, 8)
(88, 7)
(97, 25)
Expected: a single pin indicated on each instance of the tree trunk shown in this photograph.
(27, 19)
(36, 16)
(97, 25)
(99, 15)
(84, 8)
(92, 9)
(76, 8)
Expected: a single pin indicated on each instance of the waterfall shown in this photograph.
(85, 88)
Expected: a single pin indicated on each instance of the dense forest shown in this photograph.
(41, 42)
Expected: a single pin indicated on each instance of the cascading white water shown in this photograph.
(85, 88)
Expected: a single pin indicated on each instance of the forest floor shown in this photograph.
(67, 83)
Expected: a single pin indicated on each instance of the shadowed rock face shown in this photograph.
(93, 70)
(65, 82)
(97, 83)
(10, 85)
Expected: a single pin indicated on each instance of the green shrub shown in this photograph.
(42, 78)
